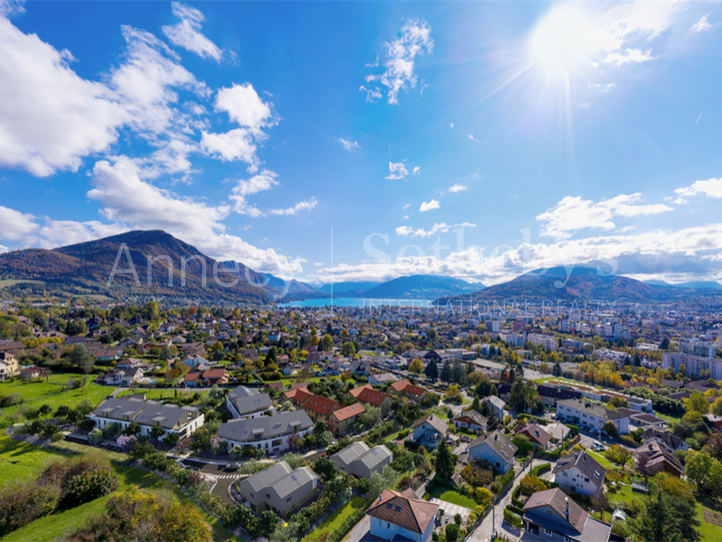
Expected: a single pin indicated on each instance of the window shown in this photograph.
(289, 499)
(388, 525)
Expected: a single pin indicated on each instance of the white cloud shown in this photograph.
(470, 136)
(574, 213)
(633, 55)
(265, 180)
(8, 8)
(407, 231)
(701, 25)
(371, 94)
(406, 205)
(602, 88)
(305, 205)
(711, 188)
(348, 144)
(187, 33)
(457, 188)
(414, 39)
(451, 125)
(416, 170)
(397, 171)
(433, 204)
(14, 225)
(230, 146)
(245, 107)
(318, 264)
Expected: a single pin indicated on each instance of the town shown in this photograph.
(391, 423)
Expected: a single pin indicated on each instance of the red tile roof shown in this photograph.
(348, 412)
(372, 397)
(355, 392)
(404, 509)
(320, 404)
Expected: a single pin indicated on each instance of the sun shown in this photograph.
(562, 42)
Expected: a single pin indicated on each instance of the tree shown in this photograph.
(432, 370)
(703, 470)
(666, 518)
(156, 432)
(348, 349)
(714, 446)
(618, 402)
(118, 332)
(95, 436)
(611, 429)
(452, 532)
(446, 372)
(557, 369)
(320, 427)
(444, 462)
(165, 353)
(618, 454)
(523, 395)
(327, 343)
(417, 366)
(44, 410)
(601, 503)
(81, 358)
(697, 402)
(132, 429)
(325, 468)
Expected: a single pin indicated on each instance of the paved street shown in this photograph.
(225, 475)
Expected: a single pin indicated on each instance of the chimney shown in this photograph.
(496, 436)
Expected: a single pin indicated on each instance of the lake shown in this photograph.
(359, 302)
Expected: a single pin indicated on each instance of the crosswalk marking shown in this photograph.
(226, 476)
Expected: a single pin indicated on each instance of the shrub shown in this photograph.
(95, 436)
(452, 532)
(531, 484)
(512, 518)
(574, 430)
(541, 469)
(90, 486)
(363, 486)
(22, 502)
(86, 425)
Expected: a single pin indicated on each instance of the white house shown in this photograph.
(495, 448)
(270, 433)
(581, 473)
(496, 404)
(591, 416)
(244, 402)
(402, 514)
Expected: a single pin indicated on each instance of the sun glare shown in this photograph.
(561, 43)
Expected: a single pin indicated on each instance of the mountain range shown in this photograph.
(87, 269)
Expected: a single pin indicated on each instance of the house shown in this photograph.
(407, 389)
(180, 420)
(361, 461)
(269, 433)
(361, 367)
(558, 431)
(383, 378)
(470, 419)
(244, 402)
(31, 372)
(130, 363)
(496, 404)
(106, 354)
(297, 396)
(124, 377)
(402, 516)
(341, 420)
(8, 365)
(669, 440)
(495, 448)
(547, 394)
(192, 380)
(215, 376)
(652, 457)
(646, 420)
(552, 515)
(538, 436)
(581, 473)
(319, 407)
(429, 430)
(591, 416)
(366, 394)
(279, 489)
(194, 361)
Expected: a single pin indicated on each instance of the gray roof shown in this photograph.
(498, 442)
(474, 415)
(167, 416)
(243, 391)
(252, 403)
(375, 456)
(283, 423)
(288, 484)
(352, 452)
(496, 401)
(592, 408)
(118, 409)
(268, 477)
(586, 464)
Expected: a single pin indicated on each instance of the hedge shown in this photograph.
(516, 509)
(574, 430)
(515, 497)
(512, 518)
(541, 469)
(349, 523)
(537, 419)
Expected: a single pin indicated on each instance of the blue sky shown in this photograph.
(475, 140)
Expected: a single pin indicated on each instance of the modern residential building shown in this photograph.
(366, 394)
(318, 407)
(470, 419)
(495, 448)
(551, 515)
(693, 365)
(280, 489)
(244, 402)
(402, 516)
(407, 389)
(362, 461)
(581, 473)
(270, 433)
(180, 420)
(429, 430)
(383, 378)
(592, 416)
(698, 347)
(341, 420)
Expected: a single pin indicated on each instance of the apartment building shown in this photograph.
(590, 415)
(280, 489)
(244, 402)
(360, 460)
(270, 433)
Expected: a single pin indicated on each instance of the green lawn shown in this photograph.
(334, 521)
(158, 394)
(50, 393)
(30, 460)
(444, 493)
(603, 461)
(671, 419)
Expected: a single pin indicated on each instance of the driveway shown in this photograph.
(450, 510)
(361, 532)
(223, 473)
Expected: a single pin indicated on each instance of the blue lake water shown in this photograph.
(359, 302)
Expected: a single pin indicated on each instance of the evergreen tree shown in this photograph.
(447, 374)
(444, 462)
(557, 371)
(432, 370)
(475, 405)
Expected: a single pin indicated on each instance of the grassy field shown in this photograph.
(603, 461)
(449, 495)
(334, 521)
(12, 282)
(22, 460)
(51, 393)
(158, 394)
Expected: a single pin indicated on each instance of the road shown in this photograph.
(225, 475)
(496, 519)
